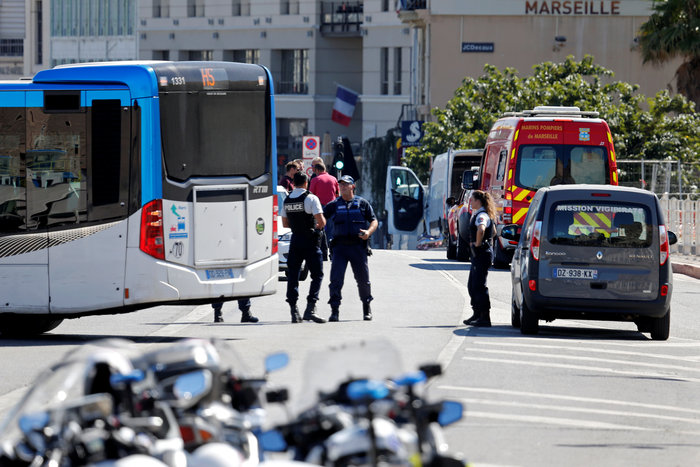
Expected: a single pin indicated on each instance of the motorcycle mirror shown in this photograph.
(367, 389)
(277, 395)
(119, 379)
(431, 369)
(276, 361)
(410, 379)
(33, 422)
(272, 441)
(451, 412)
(190, 387)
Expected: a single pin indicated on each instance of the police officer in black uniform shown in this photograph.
(302, 212)
(353, 223)
(481, 230)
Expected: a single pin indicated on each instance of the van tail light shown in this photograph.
(151, 238)
(535, 242)
(664, 290)
(275, 214)
(663, 245)
(532, 285)
(508, 208)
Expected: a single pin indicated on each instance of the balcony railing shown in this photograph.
(413, 4)
(341, 18)
(291, 87)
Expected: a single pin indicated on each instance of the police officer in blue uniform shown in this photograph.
(481, 231)
(302, 212)
(353, 223)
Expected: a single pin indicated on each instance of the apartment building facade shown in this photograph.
(310, 46)
(456, 38)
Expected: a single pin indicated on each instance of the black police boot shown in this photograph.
(366, 312)
(247, 317)
(474, 317)
(335, 314)
(310, 314)
(218, 316)
(296, 317)
(484, 320)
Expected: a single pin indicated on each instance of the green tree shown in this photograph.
(656, 128)
(673, 30)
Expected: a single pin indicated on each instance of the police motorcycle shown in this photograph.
(73, 416)
(218, 406)
(358, 414)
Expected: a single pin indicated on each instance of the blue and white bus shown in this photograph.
(129, 184)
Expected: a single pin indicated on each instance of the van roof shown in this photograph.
(596, 188)
(553, 111)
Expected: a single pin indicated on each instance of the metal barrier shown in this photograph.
(682, 217)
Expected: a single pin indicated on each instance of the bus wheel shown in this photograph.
(26, 325)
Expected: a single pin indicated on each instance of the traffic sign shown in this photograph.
(311, 149)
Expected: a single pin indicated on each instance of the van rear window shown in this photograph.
(544, 165)
(600, 224)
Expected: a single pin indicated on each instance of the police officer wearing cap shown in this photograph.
(302, 212)
(353, 223)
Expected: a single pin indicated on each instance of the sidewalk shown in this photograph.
(686, 264)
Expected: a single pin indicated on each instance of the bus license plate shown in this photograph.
(220, 273)
(574, 273)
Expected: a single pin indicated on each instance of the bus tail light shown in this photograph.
(275, 214)
(508, 208)
(535, 242)
(663, 245)
(151, 241)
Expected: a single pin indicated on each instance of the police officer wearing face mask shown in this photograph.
(302, 212)
(353, 223)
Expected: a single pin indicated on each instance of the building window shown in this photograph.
(397, 71)
(11, 47)
(294, 77)
(92, 18)
(240, 8)
(384, 71)
(290, 134)
(161, 8)
(161, 55)
(39, 33)
(242, 56)
(385, 5)
(200, 55)
(195, 8)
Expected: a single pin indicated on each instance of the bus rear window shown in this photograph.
(545, 165)
(211, 134)
(600, 224)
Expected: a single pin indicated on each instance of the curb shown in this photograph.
(691, 270)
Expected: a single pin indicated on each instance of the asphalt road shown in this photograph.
(580, 393)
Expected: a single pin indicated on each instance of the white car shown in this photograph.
(284, 234)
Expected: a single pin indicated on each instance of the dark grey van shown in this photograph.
(595, 252)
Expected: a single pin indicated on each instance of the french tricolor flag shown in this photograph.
(344, 106)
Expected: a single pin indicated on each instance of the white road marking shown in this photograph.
(577, 348)
(198, 314)
(586, 359)
(568, 408)
(585, 368)
(570, 422)
(564, 397)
